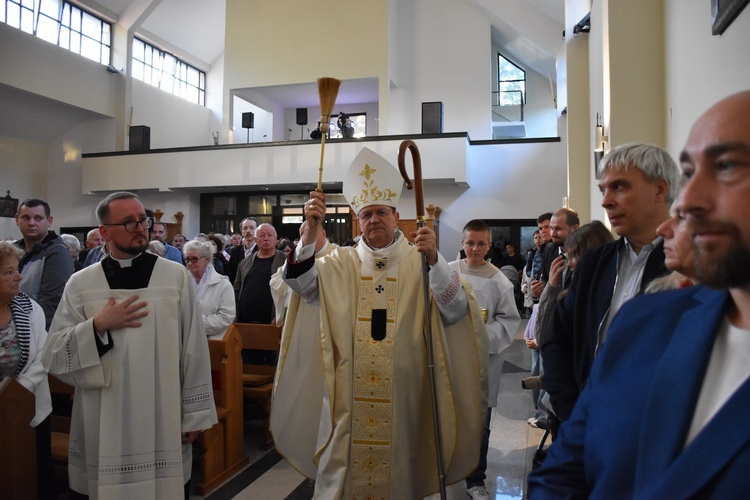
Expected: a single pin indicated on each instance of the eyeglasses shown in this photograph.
(131, 226)
(382, 213)
(480, 245)
(193, 260)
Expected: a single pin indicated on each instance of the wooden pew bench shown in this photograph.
(257, 380)
(222, 446)
(62, 405)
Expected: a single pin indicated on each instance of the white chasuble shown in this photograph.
(375, 437)
(132, 403)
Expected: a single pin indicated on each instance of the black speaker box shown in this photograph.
(432, 117)
(248, 120)
(301, 116)
(140, 138)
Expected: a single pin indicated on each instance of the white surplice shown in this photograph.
(494, 292)
(132, 404)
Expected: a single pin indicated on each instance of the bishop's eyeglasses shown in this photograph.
(131, 226)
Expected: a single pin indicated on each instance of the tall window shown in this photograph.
(63, 24)
(165, 71)
(511, 83)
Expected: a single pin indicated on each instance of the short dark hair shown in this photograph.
(545, 216)
(34, 202)
(249, 218)
(102, 209)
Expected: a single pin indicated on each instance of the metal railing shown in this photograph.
(497, 103)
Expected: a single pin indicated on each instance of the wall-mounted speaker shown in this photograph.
(140, 138)
(301, 116)
(432, 117)
(248, 120)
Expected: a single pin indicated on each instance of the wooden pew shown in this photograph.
(257, 380)
(18, 459)
(62, 403)
(222, 446)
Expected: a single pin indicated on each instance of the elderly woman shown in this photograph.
(22, 338)
(213, 291)
(74, 247)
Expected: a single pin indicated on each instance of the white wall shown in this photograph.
(508, 181)
(701, 68)
(24, 173)
(443, 51)
(38, 67)
(174, 121)
(540, 115)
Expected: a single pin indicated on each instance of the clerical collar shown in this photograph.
(395, 239)
(125, 262)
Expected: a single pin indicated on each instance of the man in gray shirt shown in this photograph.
(47, 265)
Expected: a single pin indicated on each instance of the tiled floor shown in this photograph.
(512, 445)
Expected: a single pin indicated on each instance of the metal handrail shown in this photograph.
(497, 93)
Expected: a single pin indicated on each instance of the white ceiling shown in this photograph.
(194, 31)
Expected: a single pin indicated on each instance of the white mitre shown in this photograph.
(372, 180)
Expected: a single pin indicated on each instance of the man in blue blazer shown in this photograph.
(661, 415)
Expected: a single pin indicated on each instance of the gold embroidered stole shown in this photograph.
(373, 374)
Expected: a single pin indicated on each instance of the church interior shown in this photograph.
(509, 101)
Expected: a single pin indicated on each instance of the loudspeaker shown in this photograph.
(248, 120)
(301, 116)
(140, 138)
(432, 117)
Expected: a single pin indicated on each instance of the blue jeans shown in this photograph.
(477, 477)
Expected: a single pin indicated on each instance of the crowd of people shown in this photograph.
(390, 353)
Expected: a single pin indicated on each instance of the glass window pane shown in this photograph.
(192, 95)
(14, 15)
(64, 38)
(50, 8)
(75, 19)
(260, 204)
(75, 42)
(47, 29)
(224, 205)
(65, 19)
(106, 34)
(29, 4)
(105, 55)
(167, 81)
(27, 21)
(92, 27)
(138, 70)
(137, 49)
(90, 49)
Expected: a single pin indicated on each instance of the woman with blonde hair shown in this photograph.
(22, 338)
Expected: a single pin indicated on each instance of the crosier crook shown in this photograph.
(419, 197)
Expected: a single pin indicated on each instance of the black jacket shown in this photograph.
(569, 353)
